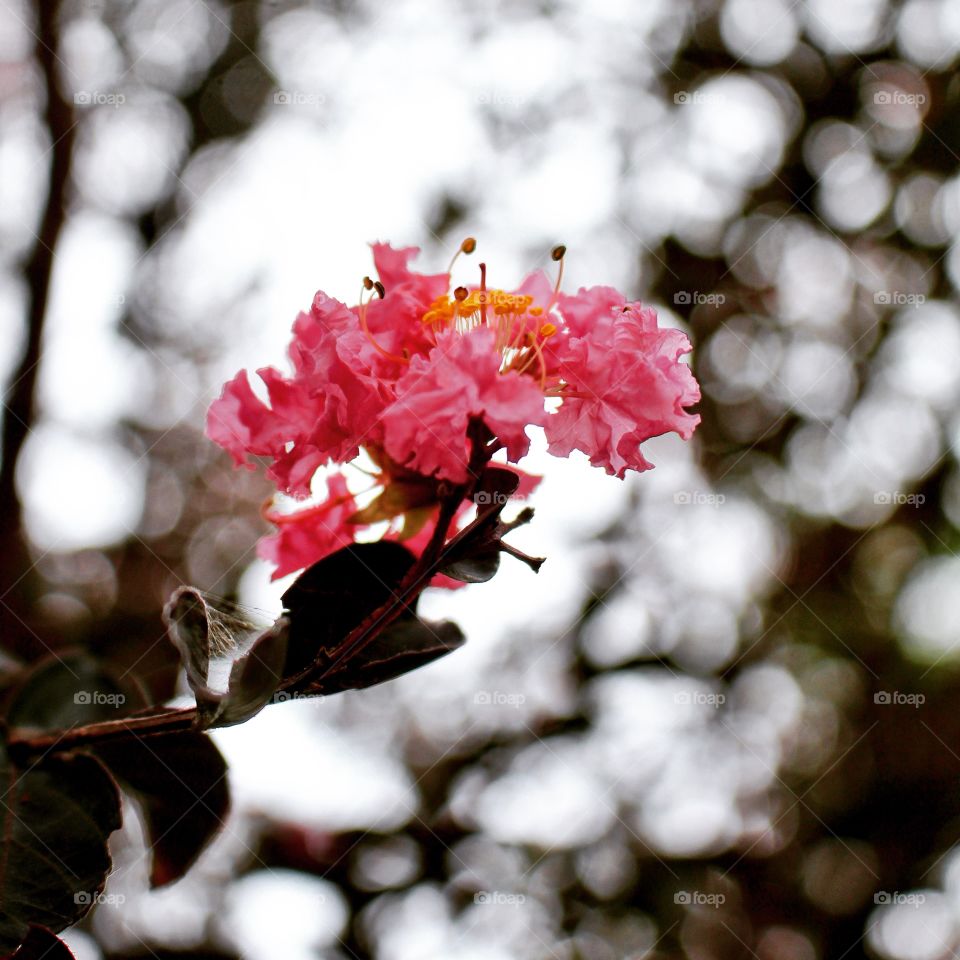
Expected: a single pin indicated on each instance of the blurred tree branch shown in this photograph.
(19, 409)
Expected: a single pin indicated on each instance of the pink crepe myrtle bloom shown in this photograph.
(305, 536)
(404, 373)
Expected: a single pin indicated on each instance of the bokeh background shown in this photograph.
(721, 722)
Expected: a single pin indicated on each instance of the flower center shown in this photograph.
(511, 315)
(518, 323)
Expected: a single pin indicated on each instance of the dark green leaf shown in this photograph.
(55, 819)
(179, 781)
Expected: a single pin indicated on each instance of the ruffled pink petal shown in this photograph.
(304, 537)
(392, 263)
(539, 286)
(395, 322)
(338, 374)
(293, 471)
(392, 268)
(426, 428)
(630, 386)
(315, 333)
(589, 308)
(240, 423)
(511, 402)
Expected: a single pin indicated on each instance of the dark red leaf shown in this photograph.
(55, 819)
(180, 783)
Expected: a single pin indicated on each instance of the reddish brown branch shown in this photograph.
(150, 724)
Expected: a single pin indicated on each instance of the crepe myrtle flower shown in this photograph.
(408, 373)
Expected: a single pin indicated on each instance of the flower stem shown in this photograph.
(310, 679)
(149, 724)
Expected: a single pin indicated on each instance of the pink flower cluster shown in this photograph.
(402, 374)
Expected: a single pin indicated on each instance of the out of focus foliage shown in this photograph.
(725, 724)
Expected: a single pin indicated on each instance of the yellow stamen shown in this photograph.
(519, 332)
